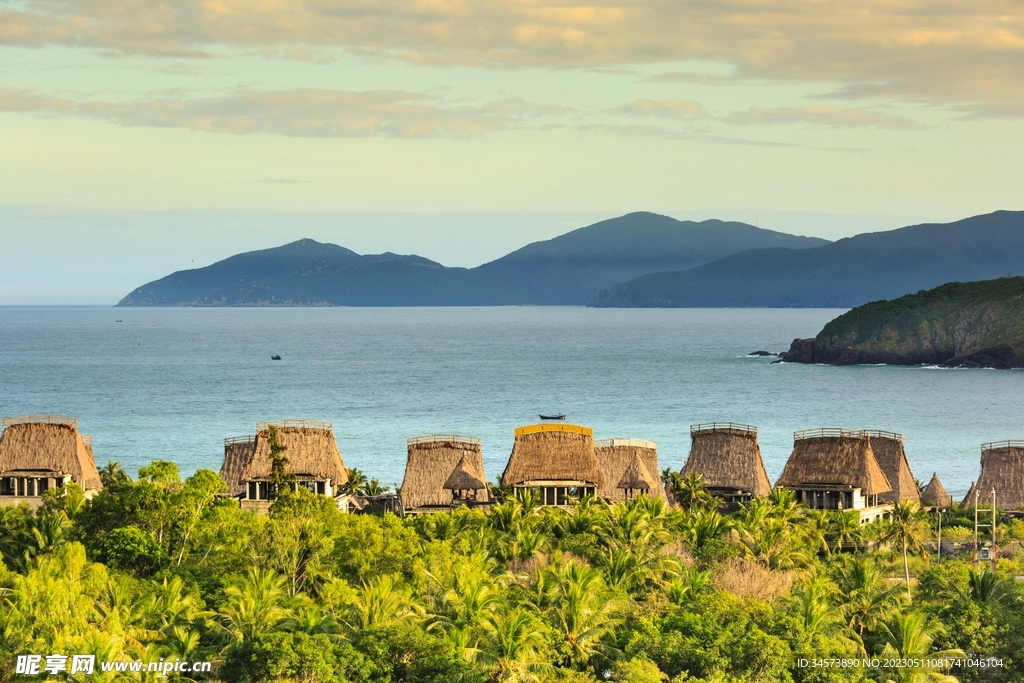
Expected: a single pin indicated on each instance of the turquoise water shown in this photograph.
(172, 383)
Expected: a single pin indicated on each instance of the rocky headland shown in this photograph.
(960, 324)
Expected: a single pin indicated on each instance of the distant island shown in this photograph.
(567, 270)
(961, 324)
(637, 260)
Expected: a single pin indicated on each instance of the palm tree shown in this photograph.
(691, 492)
(356, 481)
(700, 527)
(113, 474)
(512, 648)
(986, 586)
(373, 488)
(581, 609)
(906, 528)
(811, 602)
(255, 605)
(868, 597)
(380, 602)
(910, 637)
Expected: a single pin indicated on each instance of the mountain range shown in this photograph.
(637, 260)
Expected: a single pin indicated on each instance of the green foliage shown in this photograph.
(634, 592)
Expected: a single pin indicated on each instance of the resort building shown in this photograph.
(238, 451)
(313, 463)
(892, 458)
(1002, 469)
(835, 469)
(443, 471)
(41, 452)
(630, 468)
(557, 461)
(727, 457)
(934, 494)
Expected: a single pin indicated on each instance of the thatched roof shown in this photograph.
(465, 478)
(832, 456)
(432, 461)
(934, 494)
(726, 456)
(969, 498)
(310, 450)
(892, 458)
(553, 452)
(1002, 469)
(636, 477)
(616, 457)
(238, 451)
(48, 444)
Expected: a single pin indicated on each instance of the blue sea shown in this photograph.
(173, 383)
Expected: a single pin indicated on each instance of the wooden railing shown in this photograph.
(430, 438)
(628, 443)
(1002, 444)
(304, 424)
(708, 427)
(830, 432)
(86, 439)
(40, 419)
(250, 438)
(882, 434)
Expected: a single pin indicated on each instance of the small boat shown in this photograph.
(559, 416)
(275, 357)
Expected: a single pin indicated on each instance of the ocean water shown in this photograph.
(173, 383)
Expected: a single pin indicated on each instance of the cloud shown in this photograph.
(673, 109)
(297, 113)
(953, 51)
(830, 117)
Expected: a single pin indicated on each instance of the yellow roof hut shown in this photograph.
(835, 469)
(441, 471)
(892, 458)
(313, 462)
(558, 461)
(934, 494)
(1002, 469)
(727, 457)
(39, 452)
(630, 467)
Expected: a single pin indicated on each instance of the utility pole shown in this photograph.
(975, 561)
(993, 528)
(938, 547)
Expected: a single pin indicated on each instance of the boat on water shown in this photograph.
(275, 357)
(559, 416)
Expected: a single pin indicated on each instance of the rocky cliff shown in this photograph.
(961, 324)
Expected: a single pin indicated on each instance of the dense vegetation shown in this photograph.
(634, 592)
(953, 324)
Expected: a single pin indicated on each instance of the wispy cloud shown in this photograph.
(830, 117)
(668, 108)
(298, 113)
(955, 51)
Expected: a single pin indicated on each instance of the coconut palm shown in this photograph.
(380, 602)
(812, 603)
(906, 529)
(255, 605)
(869, 599)
(700, 527)
(691, 492)
(910, 637)
(512, 648)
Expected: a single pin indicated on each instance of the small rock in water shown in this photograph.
(762, 353)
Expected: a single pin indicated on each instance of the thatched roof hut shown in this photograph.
(934, 494)
(892, 458)
(969, 498)
(833, 456)
(727, 457)
(553, 454)
(310, 450)
(465, 477)
(40, 445)
(625, 461)
(1002, 469)
(434, 461)
(238, 451)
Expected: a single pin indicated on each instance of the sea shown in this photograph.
(172, 383)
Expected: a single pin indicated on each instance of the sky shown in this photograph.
(138, 138)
